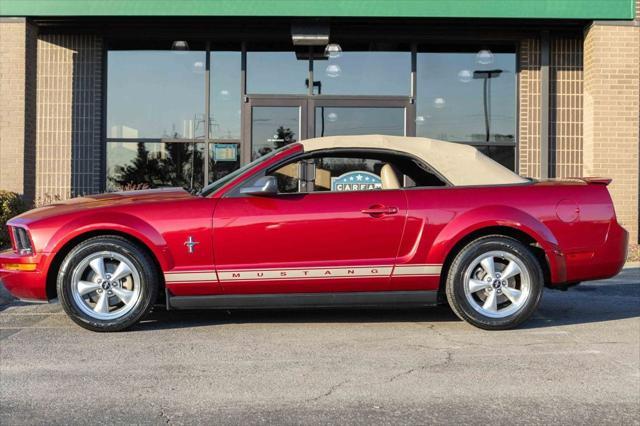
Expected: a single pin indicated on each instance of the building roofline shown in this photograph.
(526, 9)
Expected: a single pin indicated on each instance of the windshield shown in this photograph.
(214, 186)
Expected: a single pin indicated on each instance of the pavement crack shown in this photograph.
(331, 390)
(403, 373)
(447, 360)
(164, 416)
(447, 338)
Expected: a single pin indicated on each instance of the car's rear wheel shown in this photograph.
(107, 283)
(494, 283)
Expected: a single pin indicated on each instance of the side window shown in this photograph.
(342, 174)
(288, 177)
(353, 171)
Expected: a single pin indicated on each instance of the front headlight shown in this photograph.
(22, 241)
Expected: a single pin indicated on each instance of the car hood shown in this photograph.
(111, 199)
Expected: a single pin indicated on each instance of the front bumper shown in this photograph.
(24, 284)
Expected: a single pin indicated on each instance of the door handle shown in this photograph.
(378, 210)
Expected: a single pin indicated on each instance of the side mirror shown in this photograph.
(266, 185)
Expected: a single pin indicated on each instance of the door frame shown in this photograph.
(269, 101)
(308, 104)
(361, 102)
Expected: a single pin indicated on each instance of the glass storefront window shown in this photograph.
(155, 94)
(154, 164)
(333, 121)
(156, 98)
(467, 96)
(505, 155)
(156, 102)
(371, 73)
(276, 73)
(225, 95)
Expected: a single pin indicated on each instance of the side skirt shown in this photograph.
(304, 300)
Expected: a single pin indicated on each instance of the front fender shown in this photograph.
(114, 221)
(485, 217)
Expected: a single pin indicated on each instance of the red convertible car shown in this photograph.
(340, 221)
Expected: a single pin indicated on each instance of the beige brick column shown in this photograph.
(529, 108)
(17, 106)
(611, 113)
(566, 106)
(69, 115)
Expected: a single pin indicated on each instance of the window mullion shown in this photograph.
(207, 115)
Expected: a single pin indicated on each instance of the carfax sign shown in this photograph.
(356, 181)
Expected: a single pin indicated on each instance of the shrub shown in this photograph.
(11, 205)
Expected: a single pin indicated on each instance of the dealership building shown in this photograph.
(100, 95)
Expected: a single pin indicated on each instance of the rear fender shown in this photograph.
(115, 222)
(485, 217)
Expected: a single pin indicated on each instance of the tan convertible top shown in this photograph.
(460, 164)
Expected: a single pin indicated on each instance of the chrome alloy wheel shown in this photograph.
(497, 284)
(105, 285)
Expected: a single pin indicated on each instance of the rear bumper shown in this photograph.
(25, 285)
(605, 261)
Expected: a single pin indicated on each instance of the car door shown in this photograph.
(327, 241)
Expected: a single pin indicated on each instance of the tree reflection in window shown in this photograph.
(156, 165)
(283, 136)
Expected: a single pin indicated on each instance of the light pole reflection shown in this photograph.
(486, 75)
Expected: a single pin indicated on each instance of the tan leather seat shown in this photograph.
(389, 177)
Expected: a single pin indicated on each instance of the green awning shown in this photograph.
(525, 9)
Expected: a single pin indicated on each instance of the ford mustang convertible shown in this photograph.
(338, 221)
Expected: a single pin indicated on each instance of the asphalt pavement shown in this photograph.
(576, 362)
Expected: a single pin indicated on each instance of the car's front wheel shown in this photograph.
(107, 283)
(494, 283)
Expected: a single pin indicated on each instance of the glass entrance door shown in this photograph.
(274, 122)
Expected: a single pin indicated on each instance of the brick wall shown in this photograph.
(565, 105)
(17, 106)
(529, 108)
(611, 114)
(69, 112)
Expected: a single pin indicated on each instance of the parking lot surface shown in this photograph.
(577, 362)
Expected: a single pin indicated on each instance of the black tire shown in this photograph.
(138, 257)
(455, 284)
